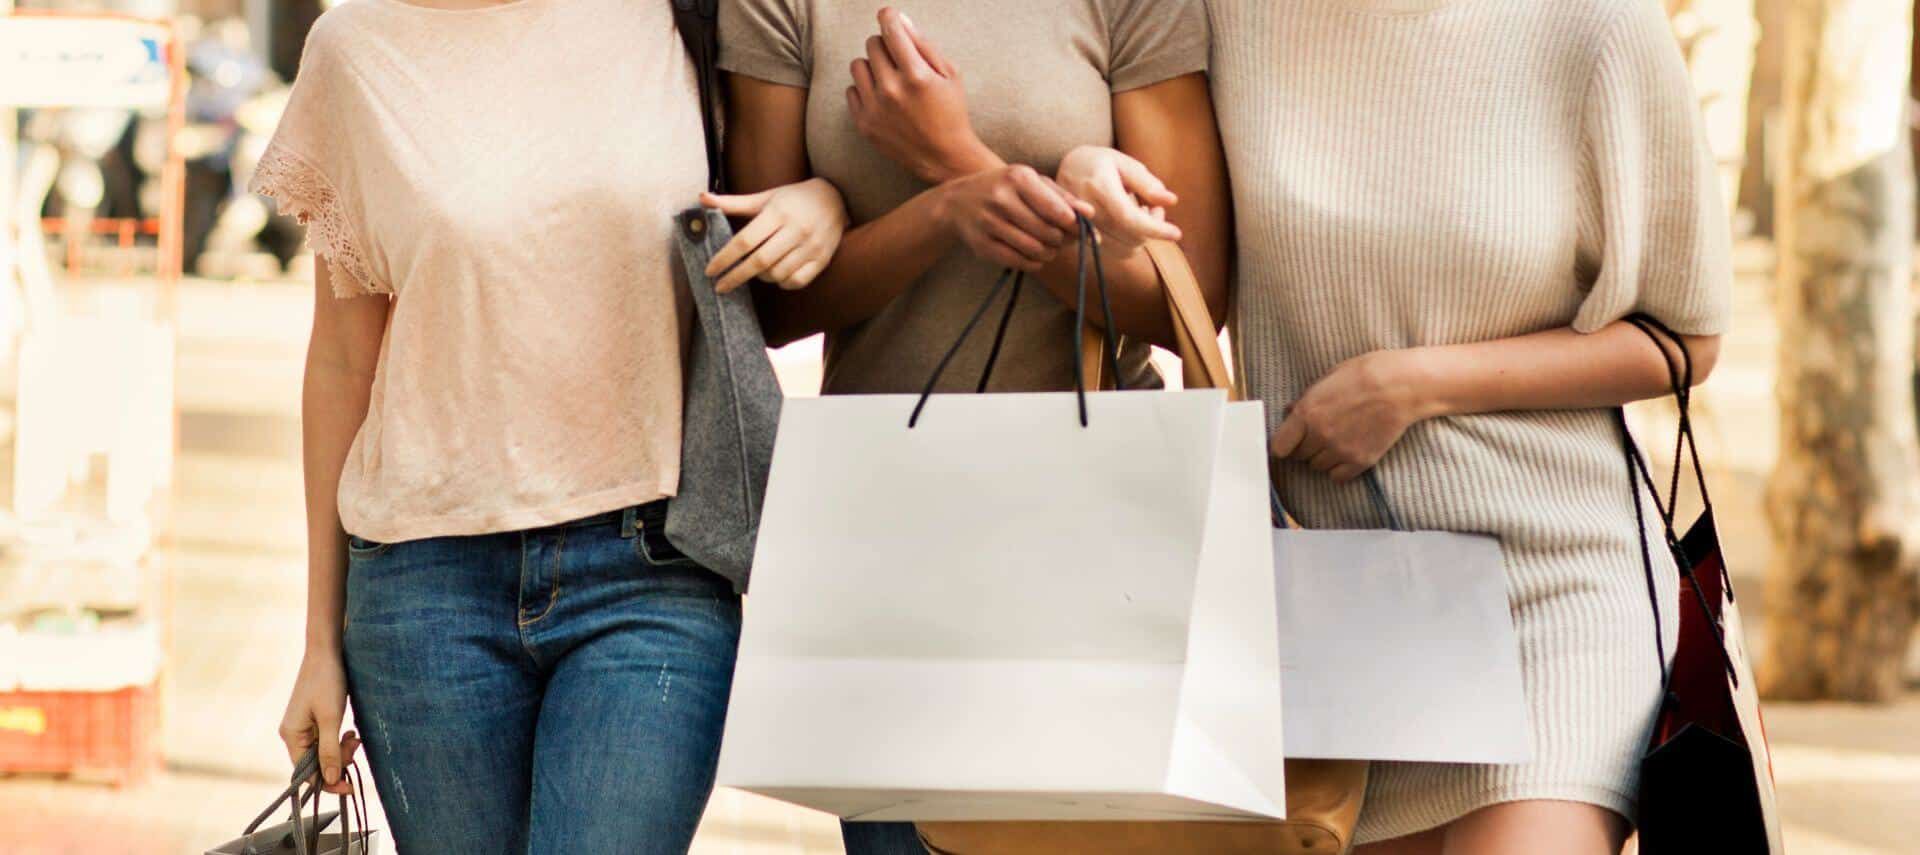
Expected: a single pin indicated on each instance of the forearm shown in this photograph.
(875, 263)
(1550, 370)
(342, 355)
(333, 404)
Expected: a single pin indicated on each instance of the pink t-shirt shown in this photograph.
(509, 176)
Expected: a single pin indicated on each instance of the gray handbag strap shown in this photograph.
(301, 790)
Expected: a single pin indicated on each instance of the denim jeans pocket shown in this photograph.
(654, 548)
(361, 548)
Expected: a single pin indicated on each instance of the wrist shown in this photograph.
(323, 641)
(1409, 377)
(970, 157)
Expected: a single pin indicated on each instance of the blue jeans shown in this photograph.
(881, 838)
(556, 690)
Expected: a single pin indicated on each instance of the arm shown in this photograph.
(1348, 420)
(341, 355)
(766, 147)
(998, 211)
(908, 100)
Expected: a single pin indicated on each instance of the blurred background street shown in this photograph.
(233, 550)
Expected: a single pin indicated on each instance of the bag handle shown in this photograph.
(699, 24)
(1680, 376)
(1089, 245)
(1204, 366)
(301, 790)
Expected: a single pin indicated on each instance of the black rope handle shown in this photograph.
(1110, 343)
(1680, 376)
(1089, 243)
(1376, 494)
(926, 392)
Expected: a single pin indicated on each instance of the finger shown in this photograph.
(783, 270)
(1141, 225)
(297, 737)
(1001, 255)
(328, 733)
(862, 80)
(935, 59)
(349, 745)
(900, 45)
(1019, 240)
(1045, 198)
(886, 76)
(742, 245)
(1124, 217)
(1345, 472)
(1287, 437)
(1142, 183)
(748, 205)
(1324, 460)
(763, 258)
(805, 275)
(1310, 445)
(1023, 217)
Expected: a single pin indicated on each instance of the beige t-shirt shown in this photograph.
(1040, 76)
(509, 174)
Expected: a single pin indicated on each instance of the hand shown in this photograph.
(1349, 419)
(794, 233)
(313, 716)
(907, 100)
(1012, 216)
(1129, 201)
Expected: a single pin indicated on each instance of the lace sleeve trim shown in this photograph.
(302, 192)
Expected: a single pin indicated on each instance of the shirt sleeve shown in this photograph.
(1156, 40)
(1659, 222)
(304, 169)
(766, 40)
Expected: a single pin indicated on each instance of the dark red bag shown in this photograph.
(1706, 780)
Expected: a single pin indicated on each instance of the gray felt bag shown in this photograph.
(732, 410)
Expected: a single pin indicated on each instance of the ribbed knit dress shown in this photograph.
(1427, 172)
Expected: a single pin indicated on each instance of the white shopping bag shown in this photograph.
(1398, 645)
(1002, 614)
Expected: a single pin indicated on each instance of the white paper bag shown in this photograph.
(1398, 645)
(1001, 614)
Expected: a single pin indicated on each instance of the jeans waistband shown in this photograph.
(629, 520)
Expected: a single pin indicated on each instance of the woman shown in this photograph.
(944, 196)
(1445, 209)
(492, 416)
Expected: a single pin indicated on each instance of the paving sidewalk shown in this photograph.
(1849, 776)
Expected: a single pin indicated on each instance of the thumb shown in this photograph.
(739, 206)
(329, 744)
(1147, 186)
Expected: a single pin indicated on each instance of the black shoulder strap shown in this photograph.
(699, 24)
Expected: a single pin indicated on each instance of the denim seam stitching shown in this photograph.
(519, 606)
(553, 565)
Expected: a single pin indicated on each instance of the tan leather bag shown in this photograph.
(1323, 796)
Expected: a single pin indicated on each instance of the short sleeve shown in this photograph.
(766, 40)
(1657, 224)
(1154, 41)
(304, 169)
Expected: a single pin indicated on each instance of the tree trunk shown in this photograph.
(1718, 37)
(1844, 499)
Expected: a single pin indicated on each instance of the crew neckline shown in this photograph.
(477, 10)
(1395, 7)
